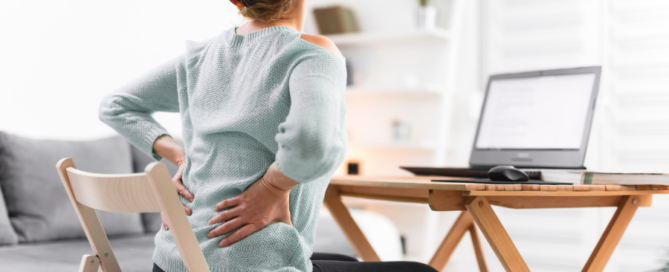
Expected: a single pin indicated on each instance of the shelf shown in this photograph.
(436, 35)
(376, 91)
(415, 146)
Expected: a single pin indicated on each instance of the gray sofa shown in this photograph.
(39, 230)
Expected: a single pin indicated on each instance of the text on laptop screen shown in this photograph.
(544, 112)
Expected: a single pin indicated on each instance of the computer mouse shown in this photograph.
(507, 173)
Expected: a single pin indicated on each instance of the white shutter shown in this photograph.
(636, 126)
(630, 39)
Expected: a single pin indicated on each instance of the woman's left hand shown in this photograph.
(263, 203)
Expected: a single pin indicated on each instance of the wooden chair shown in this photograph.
(149, 192)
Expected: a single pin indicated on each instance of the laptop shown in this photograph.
(531, 120)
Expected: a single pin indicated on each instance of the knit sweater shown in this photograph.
(245, 102)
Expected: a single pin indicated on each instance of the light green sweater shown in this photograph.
(245, 102)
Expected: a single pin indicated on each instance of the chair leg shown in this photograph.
(89, 263)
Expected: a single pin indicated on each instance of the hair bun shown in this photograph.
(263, 10)
(244, 3)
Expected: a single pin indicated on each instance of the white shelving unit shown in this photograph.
(407, 75)
(436, 35)
(410, 146)
(426, 107)
(403, 92)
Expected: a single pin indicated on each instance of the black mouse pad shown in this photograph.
(488, 181)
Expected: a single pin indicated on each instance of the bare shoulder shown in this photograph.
(322, 42)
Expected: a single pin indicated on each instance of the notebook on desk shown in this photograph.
(531, 120)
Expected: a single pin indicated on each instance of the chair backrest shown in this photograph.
(149, 192)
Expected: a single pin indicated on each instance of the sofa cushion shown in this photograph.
(7, 235)
(132, 252)
(38, 206)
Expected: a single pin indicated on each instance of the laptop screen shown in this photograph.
(546, 112)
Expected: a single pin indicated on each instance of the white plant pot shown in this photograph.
(427, 17)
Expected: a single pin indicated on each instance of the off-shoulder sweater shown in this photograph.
(245, 102)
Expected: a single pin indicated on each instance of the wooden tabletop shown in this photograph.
(426, 183)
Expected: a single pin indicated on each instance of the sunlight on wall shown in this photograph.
(59, 58)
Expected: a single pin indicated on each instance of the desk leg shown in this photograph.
(480, 258)
(453, 238)
(611, 236)
(345, 221)
(494, 232)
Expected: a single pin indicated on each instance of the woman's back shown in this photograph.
(235, 92)
(245, 103)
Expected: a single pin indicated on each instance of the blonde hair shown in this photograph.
(266, 10)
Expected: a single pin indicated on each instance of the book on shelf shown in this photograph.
(592, 177)
(335, 20)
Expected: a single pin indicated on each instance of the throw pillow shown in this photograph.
(39, 208)
(7, 235)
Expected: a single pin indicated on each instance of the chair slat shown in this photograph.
(149, 192)
(114, 193)
(90, 222)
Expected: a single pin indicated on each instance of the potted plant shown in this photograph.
(427, 15)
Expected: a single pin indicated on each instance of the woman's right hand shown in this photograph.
(169, 149)
(265, 202)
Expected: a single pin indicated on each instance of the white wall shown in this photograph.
(59, 58)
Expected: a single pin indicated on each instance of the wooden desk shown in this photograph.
(475, 200)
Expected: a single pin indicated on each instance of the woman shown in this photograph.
(263, 112)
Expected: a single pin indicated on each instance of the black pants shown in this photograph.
(324, 262)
